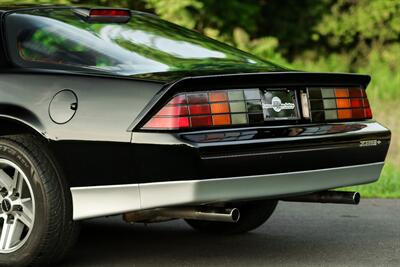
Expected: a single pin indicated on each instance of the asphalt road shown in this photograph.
(296, 235)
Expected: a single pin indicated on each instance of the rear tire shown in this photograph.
(52, 230)
(253, 214)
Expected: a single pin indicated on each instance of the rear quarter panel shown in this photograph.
(106, 106)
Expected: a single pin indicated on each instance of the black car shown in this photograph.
(116, 112)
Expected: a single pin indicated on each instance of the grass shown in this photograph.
(388, 185)
(387, 112)
(384, 95)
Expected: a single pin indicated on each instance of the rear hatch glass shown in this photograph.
(60, 38)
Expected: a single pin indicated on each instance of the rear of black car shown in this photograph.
(257, 124)
(126, 114)
(220, 112)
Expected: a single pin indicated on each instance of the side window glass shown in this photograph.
(49, 46)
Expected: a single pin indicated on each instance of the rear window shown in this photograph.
(59, 38)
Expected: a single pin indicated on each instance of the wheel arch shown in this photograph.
(18, 120)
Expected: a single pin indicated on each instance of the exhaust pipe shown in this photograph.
(218, 215)
(190, 213)
(335, 197)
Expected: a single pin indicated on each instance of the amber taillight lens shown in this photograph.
(339, 104)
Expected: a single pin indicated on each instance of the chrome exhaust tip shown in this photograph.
(334, 197)
(235, 215)
(203, 214)
(356, 198)
(188, 213)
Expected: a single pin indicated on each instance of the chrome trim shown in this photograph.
(90, 202)
(305, 105)
(97, 201)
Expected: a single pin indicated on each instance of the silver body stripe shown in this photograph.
(97, 201)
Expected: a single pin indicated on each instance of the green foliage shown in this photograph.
(184, 12)
(354, 22)
(388, 185)
(264, 47)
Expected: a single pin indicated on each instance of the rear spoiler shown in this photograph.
(276, 79)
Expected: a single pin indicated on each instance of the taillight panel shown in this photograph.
(255, 106)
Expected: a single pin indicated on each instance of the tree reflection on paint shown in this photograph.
(144, 45)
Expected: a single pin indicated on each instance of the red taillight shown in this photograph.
(337, 104)
(104, 15)
(168, 123)
(209, 109)
(173, 111)
(109, 13)
(201, 121)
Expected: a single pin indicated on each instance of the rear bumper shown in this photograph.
(167, 169)
(96, 201)
(163, 157)
(230, 153)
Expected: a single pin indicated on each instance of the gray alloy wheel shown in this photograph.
(36, 226)
(17, 207)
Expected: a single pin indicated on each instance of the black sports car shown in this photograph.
(111, 111)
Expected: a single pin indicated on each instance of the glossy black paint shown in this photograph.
(3, 62)
(3, 59)
(106, 106)
(104, 145)
(226, 153)
(11, 5)
(253, 78)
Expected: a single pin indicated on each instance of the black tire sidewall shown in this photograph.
(18, 155)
